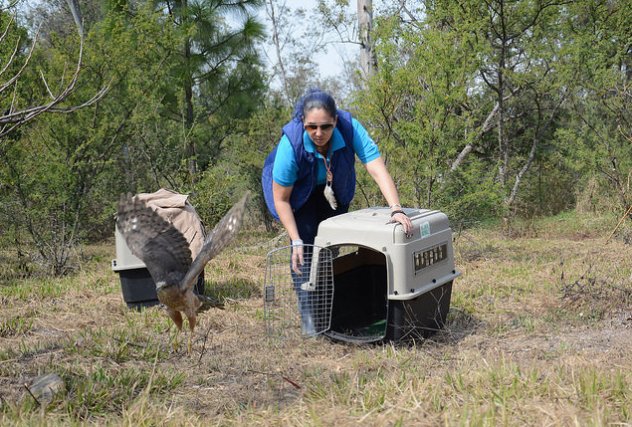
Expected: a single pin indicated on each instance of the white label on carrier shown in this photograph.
(425, 229)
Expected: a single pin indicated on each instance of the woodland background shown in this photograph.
(486, 110)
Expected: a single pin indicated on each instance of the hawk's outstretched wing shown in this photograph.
(221, 235)
(163, 248)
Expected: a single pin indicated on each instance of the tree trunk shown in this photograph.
(503, 144)
(188, 97)
(365, 22)
(536, 140)
(76, 15)
(277, 45)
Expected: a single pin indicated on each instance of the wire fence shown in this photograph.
(298, 303)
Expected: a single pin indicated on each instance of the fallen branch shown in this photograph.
(26, 386)
(620, 221)
(298, 387)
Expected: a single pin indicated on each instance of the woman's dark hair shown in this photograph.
(315, 98)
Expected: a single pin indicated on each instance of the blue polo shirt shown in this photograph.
(285, 169)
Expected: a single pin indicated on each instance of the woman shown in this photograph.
(310, 175)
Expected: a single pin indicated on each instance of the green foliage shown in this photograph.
(471, 196)
(62, 178)
(416, 105)
(466, 102)
(216, 75)
(475, 121)
(214, 196)
(598, 133)
(14, 44)
(66, 172)
(247, 151)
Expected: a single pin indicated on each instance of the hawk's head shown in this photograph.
(169, 293)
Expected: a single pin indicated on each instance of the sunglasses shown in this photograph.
(325, 127)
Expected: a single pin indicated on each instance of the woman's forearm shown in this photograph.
(284, 209)
(380, 175)
(287, 219)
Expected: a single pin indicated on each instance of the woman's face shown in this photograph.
(319, 126)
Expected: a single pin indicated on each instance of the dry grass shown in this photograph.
(539, 334)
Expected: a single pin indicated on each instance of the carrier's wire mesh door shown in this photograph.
(298, 302)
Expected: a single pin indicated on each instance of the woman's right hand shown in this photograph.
(297, 258)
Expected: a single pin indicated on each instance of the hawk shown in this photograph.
(166, 254)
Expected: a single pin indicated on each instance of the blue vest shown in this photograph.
(342, 166)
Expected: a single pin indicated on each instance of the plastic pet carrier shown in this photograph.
(384, 286)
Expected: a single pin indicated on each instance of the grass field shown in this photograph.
(539, 334)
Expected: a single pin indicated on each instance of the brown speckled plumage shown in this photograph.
(167, 256)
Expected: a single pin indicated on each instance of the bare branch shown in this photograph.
(402, 6)
(6, 30)
(15, 118)
(17, 46)
(486, 127)
(275, 40)
(97, 97)
(10, 6)
(46, 84)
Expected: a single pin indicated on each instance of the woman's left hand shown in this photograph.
(403, 219)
